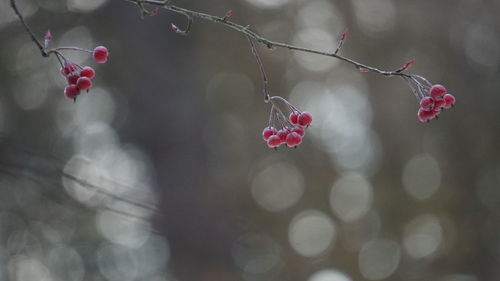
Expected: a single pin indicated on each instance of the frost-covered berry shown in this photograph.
(69, 67)
(449, 101)
(100, 54)
(294, 116)
(282, 134)
(427, 103)
(292, 125)
(305, 119)
(293, 139)
(267, 132)
(437, 91)
(88, 71)
(438, 104)
(435, 112)
(299, 131)
(71, 92)
(72, 78)
(425, 115)
(62, 70)
(83, 83)
(273, 141)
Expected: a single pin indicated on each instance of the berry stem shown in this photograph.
(291, 106)
(68, 48)
(267, 97)
(59, 59)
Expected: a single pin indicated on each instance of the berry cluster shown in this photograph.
(80, 78)
(434, 103)
(291, 130)
(433, 99)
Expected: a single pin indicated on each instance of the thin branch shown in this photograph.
(268, 43)
(86, 184)
(267, 97)
(166, 4)
(28, 29)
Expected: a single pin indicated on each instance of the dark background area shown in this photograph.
(160, 171)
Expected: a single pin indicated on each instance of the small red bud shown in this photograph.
(407, 65)
(175, 28)
(344, 34)
(228, 14)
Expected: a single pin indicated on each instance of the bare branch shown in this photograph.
(28, 29)
(166, 4)
(268, 43)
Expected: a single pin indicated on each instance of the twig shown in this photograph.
(28, 29)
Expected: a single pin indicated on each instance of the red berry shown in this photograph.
(427, 103)
(449, 100)
(68, 68)
(435, 112)
(71, 92)
(299, 131)
(88, 71)
(425, 115)
(267, 132)
(438, 104)
(294, 116)
(83, 83)
(437, 91)
(273, 141)
(305, 119)
(293, 139)
(282, 134)
(100, 54)
(73, 78)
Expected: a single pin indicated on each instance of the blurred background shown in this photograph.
(160, 172)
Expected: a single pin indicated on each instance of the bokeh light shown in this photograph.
(311, 233)
(278, 186)
(423, 236)
(379, 258)
(351, 198)
(329, 275)
(421, 176)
